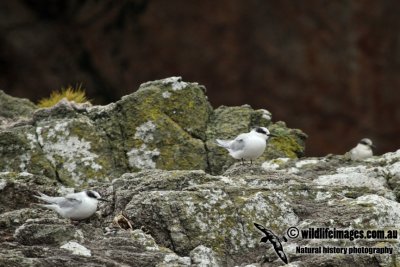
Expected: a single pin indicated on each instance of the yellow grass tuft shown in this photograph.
(77, 95)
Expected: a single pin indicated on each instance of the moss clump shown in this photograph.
(77, 95)
(287, 146)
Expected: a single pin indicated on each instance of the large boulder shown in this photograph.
(166, 124)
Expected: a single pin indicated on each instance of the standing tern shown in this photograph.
(247, 146)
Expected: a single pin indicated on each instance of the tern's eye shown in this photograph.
(364, 142)
(91, 194)
(261, 130)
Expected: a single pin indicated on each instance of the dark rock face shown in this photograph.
(328, 68)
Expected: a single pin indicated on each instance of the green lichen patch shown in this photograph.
(156, 129)
(288, 143)
(185, 103)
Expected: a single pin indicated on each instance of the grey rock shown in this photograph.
(203, 256)
(175, 198)
(163, 125)
(191, 218)
(14, 108)
(16, 189)
(166, 124)
(45, 232)
(77, 249)
(78, 151)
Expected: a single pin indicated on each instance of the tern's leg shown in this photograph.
(75, 223)
(242, 161)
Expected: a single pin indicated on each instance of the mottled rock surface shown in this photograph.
(166, 124)
(12, 109)
(175, 198)
(191, 218)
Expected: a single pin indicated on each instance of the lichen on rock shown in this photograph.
(190, 218)
(153, 155)
(76, 148)
(166, 124)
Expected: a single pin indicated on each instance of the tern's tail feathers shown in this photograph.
(44, 197)
(40, 196)
(223, 143)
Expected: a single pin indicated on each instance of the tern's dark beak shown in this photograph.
(373, 146)
(103, 199)
(272, 135)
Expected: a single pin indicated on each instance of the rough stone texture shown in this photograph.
(175, 198)
(13, 109)
(191, 218)
(166, 124)
(21, 151)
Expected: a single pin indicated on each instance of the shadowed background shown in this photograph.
(330, 68)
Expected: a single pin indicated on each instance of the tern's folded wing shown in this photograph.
(236, 145)
(69, 202)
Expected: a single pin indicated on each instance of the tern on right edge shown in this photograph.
(363, 150)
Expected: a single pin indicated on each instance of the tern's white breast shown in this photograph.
(84, 210)
(254, 146)
(360, 152)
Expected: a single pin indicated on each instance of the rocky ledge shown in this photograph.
(176, 199)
